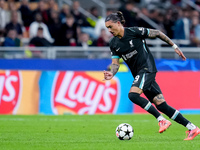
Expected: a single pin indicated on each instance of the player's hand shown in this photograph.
(180, 53)
(107, 75)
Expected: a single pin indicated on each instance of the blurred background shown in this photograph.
(55, 24)
(53, 52)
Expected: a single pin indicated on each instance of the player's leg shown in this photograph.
(174, 114)
(171, 112)
(150, 94)
(141, 82)
(135, 97)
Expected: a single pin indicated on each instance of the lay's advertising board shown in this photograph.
(19, 92)
(81, 93)
(84, 92)
(61, 92)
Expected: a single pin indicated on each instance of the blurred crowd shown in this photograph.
(175, 18)
(45, 24)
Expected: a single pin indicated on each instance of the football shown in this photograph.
(124, 131)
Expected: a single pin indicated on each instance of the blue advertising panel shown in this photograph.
(90, 64)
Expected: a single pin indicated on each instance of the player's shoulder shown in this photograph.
(135, 29)
(141, 31)
(112, 40)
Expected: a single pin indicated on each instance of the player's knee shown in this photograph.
(136, 99)
(133, 96)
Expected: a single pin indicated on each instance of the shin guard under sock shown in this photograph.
(172, 113)
(144, 103)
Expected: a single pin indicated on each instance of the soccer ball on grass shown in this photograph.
(124, 131)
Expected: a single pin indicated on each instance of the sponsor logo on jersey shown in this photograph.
(84, 93)
(10, 88)
(129, 55)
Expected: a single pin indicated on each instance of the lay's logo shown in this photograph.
(84, 93)
(9, 91)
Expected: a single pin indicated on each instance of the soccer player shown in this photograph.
(129, 43)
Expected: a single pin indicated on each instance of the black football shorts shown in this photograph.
(146, 82)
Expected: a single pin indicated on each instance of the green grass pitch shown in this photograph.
(91, 132)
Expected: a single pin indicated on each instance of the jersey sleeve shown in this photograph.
(113, 51)
(140, 32)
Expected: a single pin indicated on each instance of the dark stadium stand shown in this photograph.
(164, 16)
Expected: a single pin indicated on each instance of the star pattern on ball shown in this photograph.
(124, 131)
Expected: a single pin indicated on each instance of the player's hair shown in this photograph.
(118, 16)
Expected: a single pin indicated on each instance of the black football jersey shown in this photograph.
(133, 50)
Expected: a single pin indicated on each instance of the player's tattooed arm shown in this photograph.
(108, 75)
(156, 33)
(114, 68)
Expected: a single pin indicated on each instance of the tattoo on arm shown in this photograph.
(161, 35)
(114, 68)
(153, 33)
